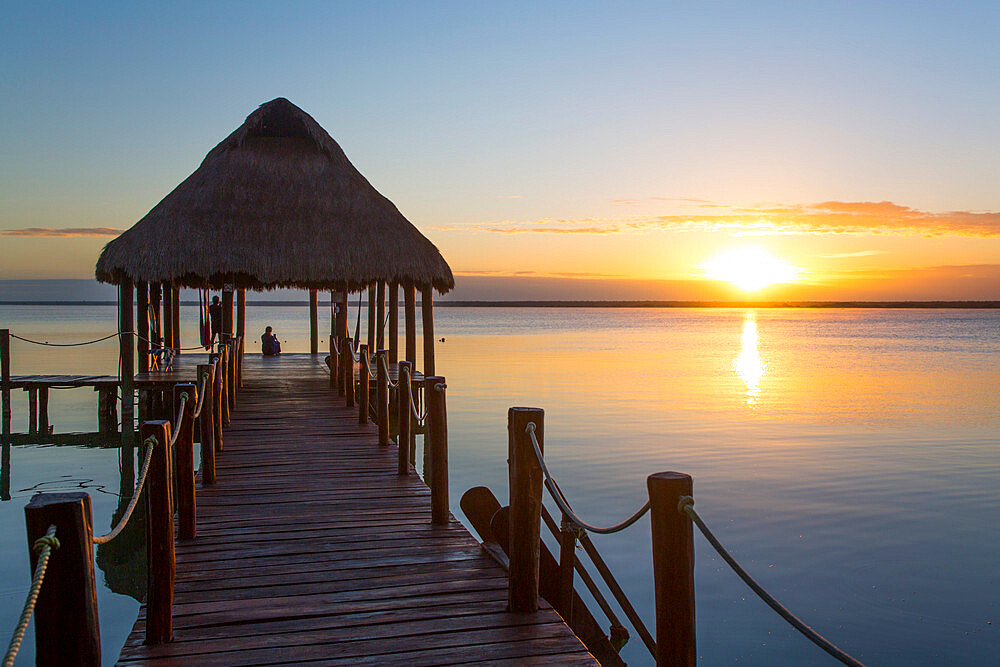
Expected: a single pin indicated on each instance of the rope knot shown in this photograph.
(50, 541)
(440, 386)
(684, 503)
(530, 428)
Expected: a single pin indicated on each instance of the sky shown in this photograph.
(550, 150)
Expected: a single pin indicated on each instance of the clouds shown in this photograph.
(61, 233)
(828, 217)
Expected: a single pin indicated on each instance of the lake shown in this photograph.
(848, 458)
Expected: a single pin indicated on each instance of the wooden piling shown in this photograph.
(206, 422)
(43, 409)
(382, 396)
(363, 385)
(427, 310)
(525, 507)
(5, 413)
(142, 326)
(227, 309)
(32, 409)
(567, 562)
(410, 316)
(347, 369)
(217, 400)
(67, 630)
(673, 569)
(371, 316)
(187, 513)
(224, 368)
(334, 348)
(380, 308)
(437, 442)
(126, 318)
(160, 561)
(313, 322)
(155, 296)
(393, 322)
(176, 303)
(403, 417)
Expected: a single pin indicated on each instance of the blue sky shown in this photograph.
(467, 114)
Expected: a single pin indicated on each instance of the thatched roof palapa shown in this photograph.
(276, 204)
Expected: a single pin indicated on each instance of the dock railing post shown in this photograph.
(568, 532)
(206, 422)
(160, 561)
(232, 361)
(224, 362)
(184, 463)
(673, 568)
(382, 395)
(364, 393)
(334, 348)
(525, 507)
(217, 401)
(437, 442)
(347, 370)
(67, 631)
(403, 417)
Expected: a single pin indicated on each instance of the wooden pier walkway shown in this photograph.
(311, 548)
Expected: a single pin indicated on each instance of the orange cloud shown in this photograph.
(829, 217)
(61, 233)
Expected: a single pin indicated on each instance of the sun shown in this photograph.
(750, 268)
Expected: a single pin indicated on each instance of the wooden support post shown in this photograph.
(67, 631)
(347, 369)
(176, 303)
(342, 314)
(224, 366)
(241, 312)
(155, 294)
(380, 307)
(43, 409)
(167, 321)
(382, 396)
(403, 417)
(363, 386)
(127, 351)
(142, 326)
(567, 561)
(217, 400)
(437, 442)
(410, 315)
(313, 323)
(32, 409)
(227, 309)
(5, 413)
(187, 511)
(239, 364)
(334, 347)
(427, 310)
(371, 316)
(160, 561)
(525, 507)
(206, 422)
(393, 322)
(234, 364)
(673, 568)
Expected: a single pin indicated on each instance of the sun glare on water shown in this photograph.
(750, 268)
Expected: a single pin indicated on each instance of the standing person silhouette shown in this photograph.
(215, 318)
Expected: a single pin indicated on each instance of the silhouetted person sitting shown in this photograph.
(215, 318)
(269, 344)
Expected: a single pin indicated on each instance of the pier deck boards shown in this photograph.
(311, 548)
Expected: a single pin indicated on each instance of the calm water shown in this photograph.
(848, 458)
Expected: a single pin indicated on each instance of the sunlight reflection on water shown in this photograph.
(748, 365)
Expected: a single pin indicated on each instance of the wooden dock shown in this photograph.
(311, 548)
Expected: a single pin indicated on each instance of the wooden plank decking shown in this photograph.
(311, 548)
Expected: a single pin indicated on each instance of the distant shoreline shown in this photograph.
(600, 304)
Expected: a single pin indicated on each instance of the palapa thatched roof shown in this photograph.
(276, 204)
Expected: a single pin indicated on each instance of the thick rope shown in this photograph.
(418, 416)
(177, 422)
(563, 504)
(150, 442)
(686, 506)
(43, 546)
(87, 342)
(385, 364)
(201, 395)
(366, 365)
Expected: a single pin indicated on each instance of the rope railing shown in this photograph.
(385, 364)
(175, 427)
(133, 501)
(46, 343)
(686, 506)
(201, 395)
(564, 505)
(43, 546)
(417, 415)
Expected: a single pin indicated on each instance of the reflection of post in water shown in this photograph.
(5, 472)
(748, 365)
(123, 559)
